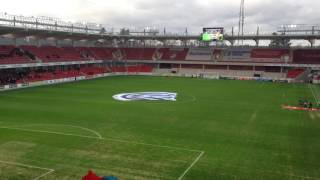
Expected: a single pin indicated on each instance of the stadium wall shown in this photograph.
(200, 54)
(237, 54)
(270, 55)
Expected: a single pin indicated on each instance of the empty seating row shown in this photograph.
(97, 53)
(10, 54)
(60, 74)
(294, 73)
(133, 69)
(55, 54)
(138, 53)
(83, 71)
(93, 70)
(172, 54)
(13, 55)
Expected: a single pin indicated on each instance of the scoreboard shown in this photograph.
(212, 34)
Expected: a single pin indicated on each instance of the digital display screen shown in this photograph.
(208, 37)
(212, 34)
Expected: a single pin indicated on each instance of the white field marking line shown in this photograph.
(45, 174)
(64, 125)
(110, 139)
(189, 101)
(191, 165)
(49, 132)
(122, 141)
(315, 98)
(33, 167)
(316, 92)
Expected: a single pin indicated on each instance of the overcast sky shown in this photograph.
(175, 15)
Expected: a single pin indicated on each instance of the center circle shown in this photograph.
(147, 96)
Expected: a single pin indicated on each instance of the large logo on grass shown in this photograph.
(150, 96)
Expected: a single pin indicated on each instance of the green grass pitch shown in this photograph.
(216, 129)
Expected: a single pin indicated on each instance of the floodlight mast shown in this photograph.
(241, 22)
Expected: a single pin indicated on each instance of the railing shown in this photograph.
(50, 24)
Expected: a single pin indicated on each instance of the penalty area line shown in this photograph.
(192, 164)
(115, 140)
(43, 175)
(62, 125)
(49, 171)
(107, 139)
(313, 93)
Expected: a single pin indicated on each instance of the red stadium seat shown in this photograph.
(295, 73)
(56, 54)
(174, 54)
(13, 55)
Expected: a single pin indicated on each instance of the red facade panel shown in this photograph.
(306, 56)
(269, 53)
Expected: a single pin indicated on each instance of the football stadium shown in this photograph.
(82, 101)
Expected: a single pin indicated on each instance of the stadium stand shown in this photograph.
(236, 55)
(39, 76)
(199, 54)
(270, 55)
(55, 54)
(146, 69)
(58, 74)
(13, 55)
(306, 56)
(93, 70)
(148, 53)
(10, 76)
(99, 53)
(119, 69)
(229, 61)
(317, 77)
(132, 53)
(45, 75)
(222, 72)
(138, 53)
(176, 54)
(294, 73)
(133, 69)
(10, 54)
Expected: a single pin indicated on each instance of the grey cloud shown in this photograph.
(176, 15)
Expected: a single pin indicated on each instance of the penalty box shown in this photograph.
(110, 156)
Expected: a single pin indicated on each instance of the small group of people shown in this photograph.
(11, 76)
(305, 104)
(92, 176)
